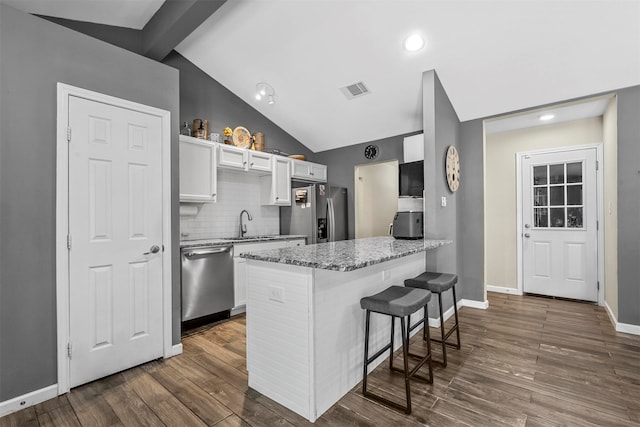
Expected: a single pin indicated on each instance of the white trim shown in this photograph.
(434, 322)
(482, 305)
(599, 206)
(504, 290)
(64, 91)
(29, 399)
(175, 350)
(625, 328)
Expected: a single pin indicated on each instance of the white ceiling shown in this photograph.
(492, 57)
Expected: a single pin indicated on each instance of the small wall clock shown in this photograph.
(371, 151)
(452, 168)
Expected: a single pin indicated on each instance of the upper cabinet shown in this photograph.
(198, 174)
(276, 188)
(308, 171)
(231, 157)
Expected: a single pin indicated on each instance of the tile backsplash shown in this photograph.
(236, 191)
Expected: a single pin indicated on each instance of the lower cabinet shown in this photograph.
(240, 266)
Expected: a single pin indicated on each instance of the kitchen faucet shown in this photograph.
(243, 227)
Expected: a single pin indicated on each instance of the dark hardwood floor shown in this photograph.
(526, 361)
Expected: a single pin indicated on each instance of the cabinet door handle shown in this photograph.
(251, 164)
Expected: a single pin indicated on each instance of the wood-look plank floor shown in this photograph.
(526, 361)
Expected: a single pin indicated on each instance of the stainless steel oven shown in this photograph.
(207, 281)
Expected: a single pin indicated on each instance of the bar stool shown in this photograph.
(439, 283)
(396, 301)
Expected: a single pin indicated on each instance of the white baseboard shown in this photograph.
(238, 310)
(483, 305)
(625, 328)
(29, 399)
(176, 350)
(503, 290)
(435, 322)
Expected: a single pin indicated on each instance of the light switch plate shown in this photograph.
(443, 201)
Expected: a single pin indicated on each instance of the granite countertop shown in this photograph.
(234, 241)
(346, 255)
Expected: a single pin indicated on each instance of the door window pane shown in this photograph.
(556, 174)
(540, 196)
(574, 217)
(557, 217)
(574, 172)
(574, 194)
(540, 217)
(557, 195)
(539, 175)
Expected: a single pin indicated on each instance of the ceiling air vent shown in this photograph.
(355, 90)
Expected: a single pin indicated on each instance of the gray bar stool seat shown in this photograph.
(439, 283)
(396, 301)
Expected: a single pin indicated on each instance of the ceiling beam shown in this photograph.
(172, 23)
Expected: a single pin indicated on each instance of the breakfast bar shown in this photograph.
(305, 327)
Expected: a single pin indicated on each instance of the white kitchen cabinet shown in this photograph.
(260, 161)
(198, 173)
(308, 171)
(240, 265)
(276, 188)
(232, 157)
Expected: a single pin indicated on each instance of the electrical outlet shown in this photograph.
(443, 201)
(276, 293)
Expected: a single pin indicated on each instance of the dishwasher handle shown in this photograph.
(203, 252)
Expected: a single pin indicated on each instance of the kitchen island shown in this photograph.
(305, 327)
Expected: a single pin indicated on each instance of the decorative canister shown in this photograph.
(201, 129)
(258, 141)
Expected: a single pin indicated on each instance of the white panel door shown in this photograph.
(115, 227)
(559, 216)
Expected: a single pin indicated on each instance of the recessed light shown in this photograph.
(546, 117)
(413, 43)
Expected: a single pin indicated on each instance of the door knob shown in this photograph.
(527, 235)
(527, 226)
(153, 250)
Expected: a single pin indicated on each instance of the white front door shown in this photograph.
(115, 228)
(559, 217)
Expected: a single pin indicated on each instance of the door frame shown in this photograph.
(599, 210)
(64, 91)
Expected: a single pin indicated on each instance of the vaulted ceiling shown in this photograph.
(492, 57)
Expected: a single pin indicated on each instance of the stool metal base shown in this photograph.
(404, 330)
(444, 336)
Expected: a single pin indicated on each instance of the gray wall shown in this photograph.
(342, 161)
(470, 199)
(34, 55)
(629, 205)
(442, 129)
(202, 97)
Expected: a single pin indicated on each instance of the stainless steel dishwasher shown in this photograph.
(207, 281)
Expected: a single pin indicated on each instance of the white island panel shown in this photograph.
(279, 333)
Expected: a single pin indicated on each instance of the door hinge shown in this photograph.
(597, 225)
(68, 241)
(68, 134)
(597, 164)
(598, 282)
(69, 349)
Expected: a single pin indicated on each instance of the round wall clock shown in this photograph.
(452, 168)
(371, 151)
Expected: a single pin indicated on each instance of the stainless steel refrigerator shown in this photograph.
(318, 211)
